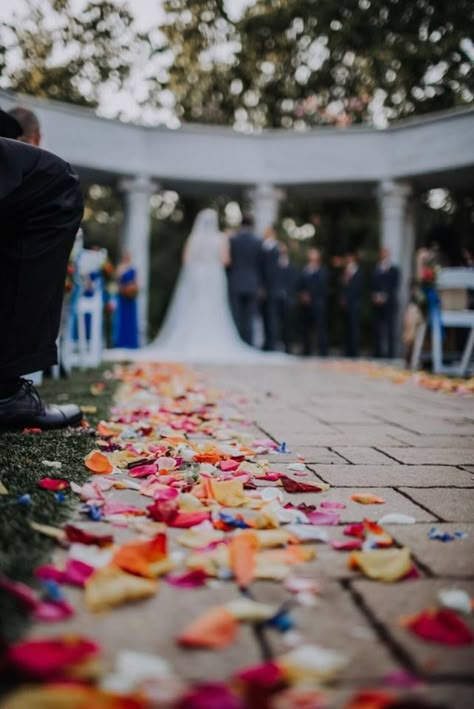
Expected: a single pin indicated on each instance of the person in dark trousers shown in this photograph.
(285, 296)
(40, 212)
(245, 277)
(270, 276)
(384, 289)
(351, 289)
(313, 296)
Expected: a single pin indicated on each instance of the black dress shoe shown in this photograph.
(25, 409)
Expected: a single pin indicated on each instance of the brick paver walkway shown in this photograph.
(412, 447)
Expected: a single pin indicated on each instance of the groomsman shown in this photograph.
(351, 288)
(245, 277)
(313, 296)
(270, 281)
(384, 288)
(286, 290)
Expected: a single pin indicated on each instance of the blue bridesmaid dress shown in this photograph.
(127, 329)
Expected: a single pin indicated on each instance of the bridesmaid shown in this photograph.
(127, 326)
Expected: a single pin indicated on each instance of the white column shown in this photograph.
(393, 200)
(265, 198)
(136, 238)
(408, 255)
(398, 236)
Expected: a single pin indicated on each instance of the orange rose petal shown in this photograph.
(98, 463)
(216, 628)
(242, 556)
(143, 558)
(366, 498)
(104, 430)
(382, 564)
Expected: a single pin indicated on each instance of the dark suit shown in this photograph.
(384, 288)
(270, 280)
(314, 284)
(245, 279)
(288, 278)
(351, 290)
(40, 212)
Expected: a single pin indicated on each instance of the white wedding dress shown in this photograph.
(199, 326)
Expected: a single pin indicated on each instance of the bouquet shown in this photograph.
(129, 290)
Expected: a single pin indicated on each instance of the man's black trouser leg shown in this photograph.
(284, 331)
(38, 224)
(392, 332)
(352, 332)
(379, 331)
(321, 329)
(270, 323)
(306, 324)
(247, 309)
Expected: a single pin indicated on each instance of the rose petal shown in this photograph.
(53, 484)
(98, 463)
(216, 628)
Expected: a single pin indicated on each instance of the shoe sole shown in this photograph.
(14, 426)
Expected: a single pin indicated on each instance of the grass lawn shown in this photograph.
(21, 456)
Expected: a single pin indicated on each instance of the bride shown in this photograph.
(199, 326)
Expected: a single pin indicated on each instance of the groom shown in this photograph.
(245, 277)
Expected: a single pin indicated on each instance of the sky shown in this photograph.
(148, 14)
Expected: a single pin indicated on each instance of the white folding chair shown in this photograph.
(449, 279)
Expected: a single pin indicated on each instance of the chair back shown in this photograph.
(455, 278)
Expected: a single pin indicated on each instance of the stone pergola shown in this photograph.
(392, 164)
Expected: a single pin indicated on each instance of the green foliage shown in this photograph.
(70, 55)
(311, 62)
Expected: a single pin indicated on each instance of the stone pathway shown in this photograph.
(412, 447)
(415, 448)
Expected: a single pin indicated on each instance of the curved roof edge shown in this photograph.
(90, 113)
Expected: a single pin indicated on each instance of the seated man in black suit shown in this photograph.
(29, 124)
(40, 212)
(384, 287)
(313, 295)
(245, 277)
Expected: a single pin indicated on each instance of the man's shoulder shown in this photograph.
(246, 237)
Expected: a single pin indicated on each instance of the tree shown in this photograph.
(201, 40)
(311, 62)
(67, 55)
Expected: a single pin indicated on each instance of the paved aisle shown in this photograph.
(413, 448)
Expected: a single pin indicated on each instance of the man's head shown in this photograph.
(9, 126)
(29, 123)
(314, 258)
(351, 258)
(384, 254)
(269, 233)
(247, 221)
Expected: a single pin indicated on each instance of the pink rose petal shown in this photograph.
(52, 612)
(143, 471)
(349, 545)
(188, 579)
(328, 505)
(328, 518)
(20, 591)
